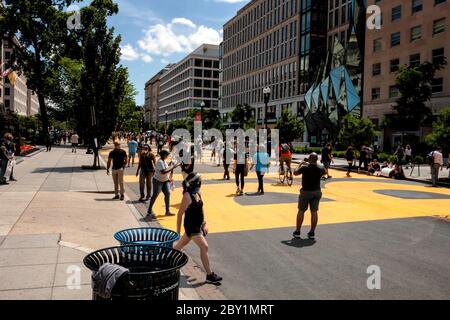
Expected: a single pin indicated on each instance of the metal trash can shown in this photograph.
(147, 236)
(154, 271)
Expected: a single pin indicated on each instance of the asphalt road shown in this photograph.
(412, 253)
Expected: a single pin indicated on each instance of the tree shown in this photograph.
(414, 85)
(41, 28)
(440, 137)
(244, 116)
(104, 83)
(290, 127)
(356, 131)
(130, 115)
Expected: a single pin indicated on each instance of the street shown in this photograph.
(364, 221)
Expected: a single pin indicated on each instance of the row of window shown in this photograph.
(415, 34)
(340, 15)
(438, 56)
(275, 55)
(258, 20)
(437, 86)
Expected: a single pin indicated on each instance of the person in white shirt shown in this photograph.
(74, 141)
(219, 151)
(437, 164)
(161, 182)
(408, 156)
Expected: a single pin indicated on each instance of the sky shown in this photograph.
(157, 32)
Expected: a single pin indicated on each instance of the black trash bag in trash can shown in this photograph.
(154, 272)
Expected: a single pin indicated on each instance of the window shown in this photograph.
(437, 85)
(396, 13)
(395, 39)
(394, 65)
(416, 6)
(7, 54)
(376, 69)
(7, 91)
(416, 33)
(377, 45)
(414, 60)
(436, 2)
(438, 55)
(393, 92)
(438, 26)
(375, 94)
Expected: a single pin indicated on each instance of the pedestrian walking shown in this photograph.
(228, 154)
(437, 164)
(327, 159)
(4, 160)
(213, 151)
(118, 159)
(188, 167)
(261, 161)
(350, 157)
(161, 182)
(219, 151)
(74, 140)
(194, 223)
(48, 142)
(240, 169)
(132, 150)
(145, 172)
(408, 156)
(400, 153)
(310, 194)
(10, 149)
(363, 159)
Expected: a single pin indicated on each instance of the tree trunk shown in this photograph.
(44, 114)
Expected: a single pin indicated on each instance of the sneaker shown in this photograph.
(116, 198)
(151, 216)
(141, 199)
(238, 191)
(170, 214)
(297, 234)
(122, 198)
(311, 236)
(241, 193)
(213, 278)
(13, 179)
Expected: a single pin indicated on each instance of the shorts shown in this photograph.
(309, 199)
(132, 154)
(327, 165)
(74, 145)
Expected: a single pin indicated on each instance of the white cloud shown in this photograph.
(184, 21)
(129, 53)
(180, 36)
(147, 58)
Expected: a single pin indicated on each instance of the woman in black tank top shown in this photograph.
(194, 224)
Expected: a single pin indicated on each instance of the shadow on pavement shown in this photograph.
(299, 243)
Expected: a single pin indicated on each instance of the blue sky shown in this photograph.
(156, 32)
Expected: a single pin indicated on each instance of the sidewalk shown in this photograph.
(423, 176)
(50, 219)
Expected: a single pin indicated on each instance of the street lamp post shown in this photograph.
(266, 92)
(202, 106)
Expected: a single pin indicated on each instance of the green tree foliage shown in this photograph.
(290, 127)
(440, 136)
(41, 28)
(414, 85)
(356, 131)
(103, 82)
(244, 116)
(130, 115)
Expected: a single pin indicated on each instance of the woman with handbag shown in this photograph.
(194, 223)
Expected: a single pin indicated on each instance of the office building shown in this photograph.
(152, 92)
(190, 83)
(412, 32)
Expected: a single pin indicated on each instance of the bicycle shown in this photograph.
(286, 175)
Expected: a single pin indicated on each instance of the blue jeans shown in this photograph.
(159, 186)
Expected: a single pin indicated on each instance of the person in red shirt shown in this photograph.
(285, 150)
